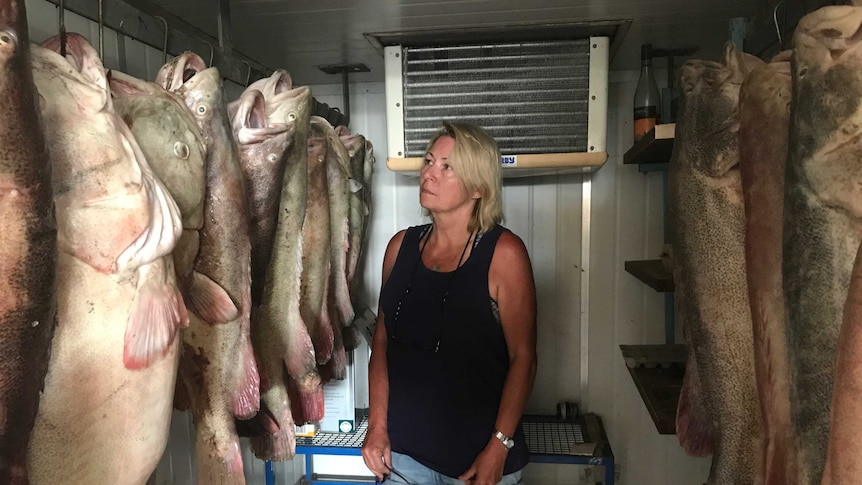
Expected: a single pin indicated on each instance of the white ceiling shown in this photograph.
(299, 36)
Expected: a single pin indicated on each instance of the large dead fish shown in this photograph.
(281, 340)
(263, 148)
(170, 139)
(822, 209)
(217, 366)
(341, 190)
(764, 116)
(316, 241)
(28, 245)
(709, 258)
(113, 362)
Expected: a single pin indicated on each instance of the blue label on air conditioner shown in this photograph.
(509, 160)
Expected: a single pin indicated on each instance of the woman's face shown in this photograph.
(440, 189)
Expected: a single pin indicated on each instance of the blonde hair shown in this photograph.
(476, 160)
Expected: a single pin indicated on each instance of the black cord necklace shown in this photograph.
(436, 267)
(436, 346)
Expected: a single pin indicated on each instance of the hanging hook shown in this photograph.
(165, 48)
(102, 30)
(62, 27)
(248, 76)
(212, 53)
(775, 20)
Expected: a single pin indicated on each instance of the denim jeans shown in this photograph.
(407, 470)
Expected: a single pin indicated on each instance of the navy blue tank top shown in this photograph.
(447, 360)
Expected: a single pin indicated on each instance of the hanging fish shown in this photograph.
(28, 239)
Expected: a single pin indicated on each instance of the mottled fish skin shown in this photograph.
(217, 365)
(822, 214)
(355, 146)
(843, 466)
(316, 241)
(764, 117)
(263, 148)
(339, 305)
(100, 391)
(281, 340)
(707, 218)
(28, 250)
(359, 213)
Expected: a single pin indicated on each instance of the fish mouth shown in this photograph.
(180, 70)
(279, 82)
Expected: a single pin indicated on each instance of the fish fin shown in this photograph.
(307, 400)
(323, 338)
(693, 425)
(350, 337)
(261, 424)
(336, 368)
(210, 301)
(355, 186)
(157, 315)
(165, 225)
(246, 401)
(278, 446)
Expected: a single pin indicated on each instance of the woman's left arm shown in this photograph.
(511, 284)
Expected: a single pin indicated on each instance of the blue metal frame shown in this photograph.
(568, 459)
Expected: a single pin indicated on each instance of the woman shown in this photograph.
(454, 353)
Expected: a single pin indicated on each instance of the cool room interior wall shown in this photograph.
(626, 224)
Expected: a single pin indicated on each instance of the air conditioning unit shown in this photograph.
(545, 102)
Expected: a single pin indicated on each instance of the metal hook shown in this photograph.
(775, 20)
(102, 30)
(248, 76)
(62, 27)
(212, 53)
(165, 48)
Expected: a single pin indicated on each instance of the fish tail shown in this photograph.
(278, 446)
(692, 421)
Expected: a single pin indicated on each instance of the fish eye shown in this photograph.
(7, 37)
(291, 116)
(202, 109)
(803, 72)
(181, 150)
(272, 158)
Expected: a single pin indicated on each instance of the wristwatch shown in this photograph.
(507, 442)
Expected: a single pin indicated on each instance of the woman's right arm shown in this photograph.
(376, 450)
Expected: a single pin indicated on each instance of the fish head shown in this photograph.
(175, 150)
(289, 107)
(204, 97)
(278, 82)
(180, 69)
(81, 56)
(87, 80)
(255, 134)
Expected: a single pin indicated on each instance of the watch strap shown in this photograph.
(507, 441)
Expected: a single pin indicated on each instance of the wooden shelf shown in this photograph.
(528, 165)
(652, 273)
(657, 371)
(655, 147)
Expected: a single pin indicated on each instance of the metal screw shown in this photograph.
(398, 105)
(592, 148)
(399, 154)
(593, 98)
(594, 46)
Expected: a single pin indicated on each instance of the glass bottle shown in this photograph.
(647, 99)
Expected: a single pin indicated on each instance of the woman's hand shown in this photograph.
(377, 453)
(487, 469)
